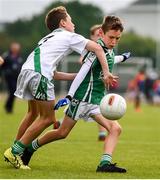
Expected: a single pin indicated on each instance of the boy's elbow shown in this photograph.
(93, 46)
(98, 48)
(56, 75)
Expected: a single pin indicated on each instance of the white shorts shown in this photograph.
(32, 85)
(82, 110)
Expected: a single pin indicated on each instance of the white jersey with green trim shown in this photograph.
(52, 49)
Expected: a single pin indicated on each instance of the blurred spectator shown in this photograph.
(136, 88)
(1, 60)
(156, 90)
(131, 90)
(151, 76)
(140, 80)
(10, 69)
(145, 86)
(140, 89)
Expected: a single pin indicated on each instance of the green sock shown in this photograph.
(18, 148)
(33, 146)
(106, 159)
(15, 141)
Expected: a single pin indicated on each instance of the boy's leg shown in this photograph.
(50, 136)
(114, 130)
(110, 143)
(29, 118)
(31, 115)
(46, 118)
(59, 133)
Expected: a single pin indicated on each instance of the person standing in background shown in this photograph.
(1, 60)
(11, 68)
(140, 89)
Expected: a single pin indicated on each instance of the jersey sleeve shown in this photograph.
(78, 43)
(79, 78)
(118, 59)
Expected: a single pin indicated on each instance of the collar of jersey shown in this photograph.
(100, 42)
(59, 30)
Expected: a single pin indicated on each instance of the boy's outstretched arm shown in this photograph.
(121, 58)
(64, 76)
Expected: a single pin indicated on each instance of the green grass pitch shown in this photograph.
(77, 156)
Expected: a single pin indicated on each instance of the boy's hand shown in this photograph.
(126, 56)
(109, 80)
(62, 102)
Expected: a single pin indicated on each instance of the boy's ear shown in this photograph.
(100, 32)
(62, 23)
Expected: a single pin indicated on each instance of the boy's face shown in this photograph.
(111, 38)
(68, 24)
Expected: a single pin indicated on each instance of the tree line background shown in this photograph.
(29, 32)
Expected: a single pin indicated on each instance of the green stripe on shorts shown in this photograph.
(41, 93)
(72, 109)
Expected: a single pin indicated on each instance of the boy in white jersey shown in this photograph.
(35, 80)
(86, 93)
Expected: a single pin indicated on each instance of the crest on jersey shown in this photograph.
(91, 56)
(74, 102)
(101, 75)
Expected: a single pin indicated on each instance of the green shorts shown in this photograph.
(32, 85)
(81, 110)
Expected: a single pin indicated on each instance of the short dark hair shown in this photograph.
(112, 23)
(54, 17)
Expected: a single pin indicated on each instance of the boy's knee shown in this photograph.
(62, 133)
(48, 122)
(116, 128)
(33, 114)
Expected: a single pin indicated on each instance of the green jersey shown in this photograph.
(92, 88)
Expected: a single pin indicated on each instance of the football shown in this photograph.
(113, 106)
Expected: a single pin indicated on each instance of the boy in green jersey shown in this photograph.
(87, 91)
